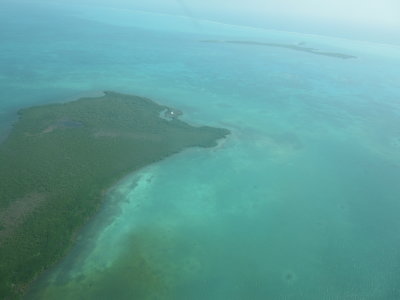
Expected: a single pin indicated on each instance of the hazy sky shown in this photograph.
(377, 12)
(383, 13)
(377, 20)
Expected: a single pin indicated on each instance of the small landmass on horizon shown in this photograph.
(298, 47)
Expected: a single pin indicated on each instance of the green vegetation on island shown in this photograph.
(58, 161)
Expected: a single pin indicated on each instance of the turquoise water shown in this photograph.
(300, 202)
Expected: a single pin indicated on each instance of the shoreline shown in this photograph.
(80, 185)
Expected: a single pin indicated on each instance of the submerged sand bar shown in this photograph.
(58, 161)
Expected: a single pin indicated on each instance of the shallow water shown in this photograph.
(300, 202)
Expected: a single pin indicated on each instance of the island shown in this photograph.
(59, 160)
(298, 47)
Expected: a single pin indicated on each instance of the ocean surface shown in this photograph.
(301, 201)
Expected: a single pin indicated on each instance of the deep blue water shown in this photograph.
(300, 202)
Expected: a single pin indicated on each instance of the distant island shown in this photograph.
(298, 47)
(59, 160)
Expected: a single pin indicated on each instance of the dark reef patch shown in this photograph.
(289, 277)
